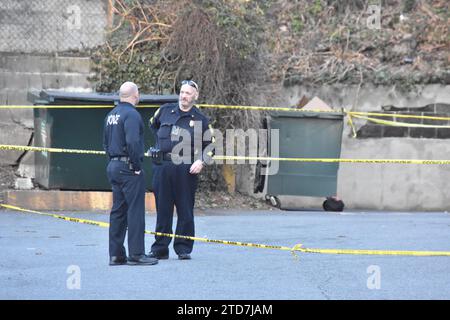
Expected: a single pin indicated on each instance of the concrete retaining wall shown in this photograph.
(20, 73)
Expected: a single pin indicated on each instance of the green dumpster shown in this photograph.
(303, 135)
(74, 128)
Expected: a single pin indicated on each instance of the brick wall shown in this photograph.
(373, 130)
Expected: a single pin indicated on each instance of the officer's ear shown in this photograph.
(196, 95)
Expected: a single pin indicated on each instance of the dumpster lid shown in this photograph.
(55, 97)
(308, 114)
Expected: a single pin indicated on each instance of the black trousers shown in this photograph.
(173, 185)
(128, 210)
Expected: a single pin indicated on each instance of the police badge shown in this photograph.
(175, 130)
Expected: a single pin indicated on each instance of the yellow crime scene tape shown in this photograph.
(44, 149)
(392, 115)
(365, 116)
(399, 124)
(107, 106)
(249, 158)
(350, 114)
(293, 250)
(232, 107)
(214, 106)
(260, 108)
(336, 160)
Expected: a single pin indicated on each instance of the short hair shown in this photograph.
(127, 89)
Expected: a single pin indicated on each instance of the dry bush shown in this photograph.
(157, 44)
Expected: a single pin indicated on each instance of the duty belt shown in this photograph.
(167, 156)
(123, 159)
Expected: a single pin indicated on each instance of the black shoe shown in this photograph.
(117, 261)
(142, 259)
(184, 256)
(158, 256)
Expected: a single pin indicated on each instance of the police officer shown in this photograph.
(123, 142)
(175, 173)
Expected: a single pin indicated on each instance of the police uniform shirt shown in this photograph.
(167, 122)
(124, 134)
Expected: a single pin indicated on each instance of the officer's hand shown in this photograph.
(196, 167)
(137, 172)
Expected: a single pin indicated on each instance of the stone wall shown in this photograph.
(20, 73)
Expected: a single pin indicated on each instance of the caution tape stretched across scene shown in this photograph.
(336, 160)
(213, 106)
(105, 106)
(45, 149)
(325, 160)
(368, 116)
(398, 124)
(248, 158)
(293, 250)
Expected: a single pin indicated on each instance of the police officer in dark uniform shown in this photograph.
(123, 142)
(177, 160)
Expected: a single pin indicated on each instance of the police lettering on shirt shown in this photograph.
(113, 119)
(124, 134)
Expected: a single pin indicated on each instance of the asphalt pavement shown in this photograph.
(48, 258)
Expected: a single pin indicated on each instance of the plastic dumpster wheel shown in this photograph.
(274, 201)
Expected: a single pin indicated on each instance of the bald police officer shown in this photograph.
(175, 174)
(123, 142)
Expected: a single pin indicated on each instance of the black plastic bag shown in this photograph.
(333, 204)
